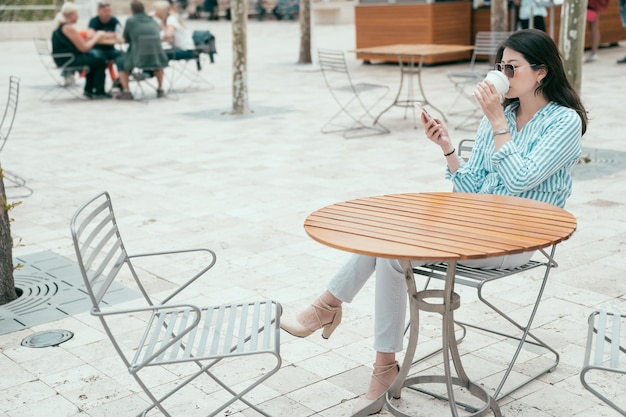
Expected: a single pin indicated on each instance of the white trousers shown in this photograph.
(391, 291)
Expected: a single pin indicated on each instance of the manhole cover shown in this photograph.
(47, 338)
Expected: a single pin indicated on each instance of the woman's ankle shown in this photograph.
(328, 298)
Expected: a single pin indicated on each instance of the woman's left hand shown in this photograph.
(488, 99)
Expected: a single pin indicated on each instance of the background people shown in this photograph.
(138, 25)
(622, 14)
(524, 148)
(286, 9)
(528, 8)
(174, 32)
(105, 21)
(66, 39)
(594, 7)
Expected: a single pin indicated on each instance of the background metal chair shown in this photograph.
(483, 60)
(58, 74)
(605, 354)
(519, 332)
(354, 118)
(176, 332)
(188, 75)
(15, 186)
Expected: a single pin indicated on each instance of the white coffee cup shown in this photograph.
(499, 80)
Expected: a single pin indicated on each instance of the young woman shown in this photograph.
(70, 49)
(523, 148)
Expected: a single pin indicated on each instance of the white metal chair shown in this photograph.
(518, 332)
(605, 354)
(188, 74)
(176, 332)
(15, 186)
(486, 47)
(354, 118)
(58, 74)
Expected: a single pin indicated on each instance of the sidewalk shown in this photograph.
(184, 173)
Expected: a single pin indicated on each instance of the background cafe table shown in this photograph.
(435, 227)
(410, 53)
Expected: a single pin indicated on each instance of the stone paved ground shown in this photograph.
(182, 173)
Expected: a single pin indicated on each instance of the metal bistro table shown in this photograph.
(434, 227)
(411, 53)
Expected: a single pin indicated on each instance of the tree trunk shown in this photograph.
(239, 16)
(7, 284)
(572, 39)
(499, 22)
(305, 32)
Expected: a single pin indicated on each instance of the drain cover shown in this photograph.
(47, 338)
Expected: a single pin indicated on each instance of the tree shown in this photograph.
(239, 16)
(305, 32)
(572, 39)
(499, 21)
(7, 283)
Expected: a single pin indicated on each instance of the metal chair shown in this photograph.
(477, 278)
(176, 332)
(15, 186)
(358, 120)
(58, 73)
(188, 75)
(486, 47)
(605, 352)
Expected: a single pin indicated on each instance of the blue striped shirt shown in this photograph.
(536, 164)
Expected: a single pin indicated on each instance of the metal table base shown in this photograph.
(450, 301)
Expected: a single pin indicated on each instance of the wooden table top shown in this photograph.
(440, 226)
(414, 49)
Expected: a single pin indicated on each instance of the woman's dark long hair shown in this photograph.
(540, 50)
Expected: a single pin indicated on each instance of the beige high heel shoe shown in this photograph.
(295, 328)
(366, 406)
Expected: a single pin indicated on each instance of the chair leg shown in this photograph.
(204, 369)
(598, 394)
(523, 339)
(188, 70)
(239, 396)
(357, 126)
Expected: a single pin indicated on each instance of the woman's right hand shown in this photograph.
(436, 131)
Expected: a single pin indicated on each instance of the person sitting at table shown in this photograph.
(140, 25)
(105, 21)
(524, 147)
(174, 32)
(66, 40)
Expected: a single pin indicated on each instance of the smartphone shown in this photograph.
(423, 110)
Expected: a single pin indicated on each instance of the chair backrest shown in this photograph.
(336, 75)
(42, 46)
(465, 148)
(48, 59)
(487, 43)
(99, 248)
(10, 110)
(331, 60)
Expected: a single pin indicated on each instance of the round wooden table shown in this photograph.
(435, 227)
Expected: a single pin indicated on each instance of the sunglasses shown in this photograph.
(509, 69)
